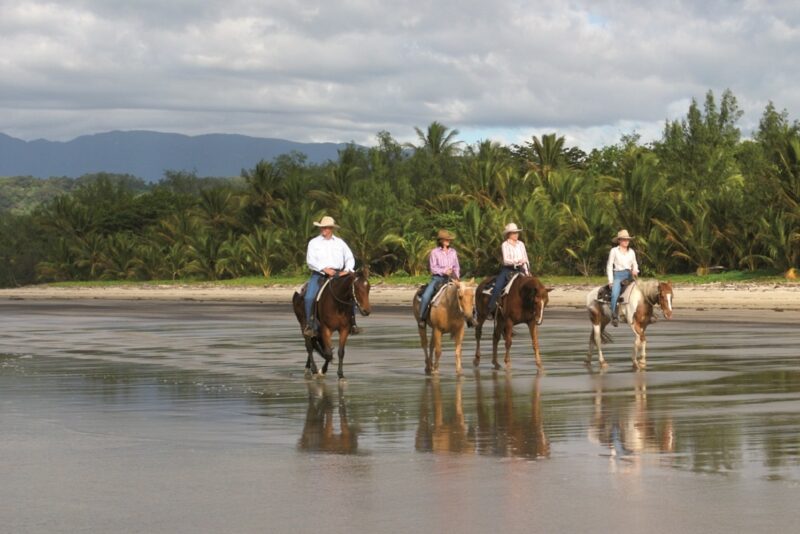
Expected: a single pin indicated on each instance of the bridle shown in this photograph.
(353, 294)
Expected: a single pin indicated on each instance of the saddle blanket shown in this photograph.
(436, 296)
(490, 286)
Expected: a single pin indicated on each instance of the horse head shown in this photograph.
(466, 299)
(539, 295)
(361, 291)
(665, 298)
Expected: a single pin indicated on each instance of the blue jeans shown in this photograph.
(437, 281)
(314, 283)
(499, 284)
(616, 288)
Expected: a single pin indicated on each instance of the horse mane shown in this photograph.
(649, 289)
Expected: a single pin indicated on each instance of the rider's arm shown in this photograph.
(313, 256)
(610, 266)
(456, 266)
(349, 260)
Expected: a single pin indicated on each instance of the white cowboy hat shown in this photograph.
(622, 234)
(326, 222)
(511, 228)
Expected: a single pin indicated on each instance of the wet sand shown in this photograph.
(153, 416)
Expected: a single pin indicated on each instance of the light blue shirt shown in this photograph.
(334, 253)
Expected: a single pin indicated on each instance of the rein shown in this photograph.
(353, 294)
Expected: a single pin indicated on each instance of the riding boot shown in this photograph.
(308, 330)
(615, 320)
(422, 323)
(354, 328)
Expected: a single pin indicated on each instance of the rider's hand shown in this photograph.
(329, 271)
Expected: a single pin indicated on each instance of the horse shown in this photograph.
(452, 309)
(637, 311)
(319, 431)
(334, 313)
(525, 303)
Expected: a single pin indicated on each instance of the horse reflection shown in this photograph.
(629, 427)
(440, 430)
(505, 427)
(319, 433)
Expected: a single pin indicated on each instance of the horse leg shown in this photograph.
(343, 333)
(495, 341)
(436, 347)
(643, 348)
(508, 334)
(311, 365)
(534, 329)
(459, 337)
(598, 340)
(637, 345)
(327, 350)
(423, 340)
(478, 334)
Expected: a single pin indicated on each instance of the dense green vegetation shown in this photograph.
(699, 200)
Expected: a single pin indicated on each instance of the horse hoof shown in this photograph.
(476, 362)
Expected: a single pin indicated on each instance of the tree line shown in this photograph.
(698, 199)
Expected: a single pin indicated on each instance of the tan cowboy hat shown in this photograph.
(326, 222)
(444, 234)
(622, 234)
(511, 228)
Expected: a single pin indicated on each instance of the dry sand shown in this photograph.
(708, 296)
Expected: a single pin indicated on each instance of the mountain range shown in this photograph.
(147, 154)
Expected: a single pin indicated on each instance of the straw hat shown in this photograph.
(326, 222)
(622, 234)
(511, 228)
(444, 234)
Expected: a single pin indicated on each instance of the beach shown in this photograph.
(750, 296)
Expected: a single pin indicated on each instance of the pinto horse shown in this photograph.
(525, 303)
(334, 312)
(637, 311)
(448, 314)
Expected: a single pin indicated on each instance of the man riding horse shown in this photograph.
(328, 256)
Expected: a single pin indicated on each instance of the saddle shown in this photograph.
(302, 292)
(604, 294)
(436, 296)
(490, 286)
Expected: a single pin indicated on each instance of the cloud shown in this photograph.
(344, 70)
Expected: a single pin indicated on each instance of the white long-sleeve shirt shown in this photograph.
(334, 253)
(515, 254)
(620, 261)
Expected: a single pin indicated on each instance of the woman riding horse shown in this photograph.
(515, 260)
(443, 263)
(621, 266)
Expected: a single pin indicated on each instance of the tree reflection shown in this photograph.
(319, 432)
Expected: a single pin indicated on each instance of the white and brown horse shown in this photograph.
(637, 311)
(449, 313)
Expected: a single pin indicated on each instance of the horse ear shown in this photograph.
(365, 271)
(472, 280)
(549, 289)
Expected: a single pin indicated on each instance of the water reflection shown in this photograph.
(503, 425)
(509, 426)
(319, 430)
(442, 427)
(627, 424)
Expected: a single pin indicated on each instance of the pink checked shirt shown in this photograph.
(441, 260)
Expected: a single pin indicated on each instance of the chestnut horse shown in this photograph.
(524, 303)
(637, 311)
(334, 313)
(448, 314)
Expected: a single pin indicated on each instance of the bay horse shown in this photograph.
(637, 311)
(525, 303)
(334, 311)
(452, 309)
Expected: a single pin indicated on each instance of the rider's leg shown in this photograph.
(435, 283)
(616, 289)
(312, 289)
(499, 284)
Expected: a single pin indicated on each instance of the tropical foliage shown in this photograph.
(699, 199)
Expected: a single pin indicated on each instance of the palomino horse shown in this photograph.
(524, 303)
(637, 311)
(334, 312)
(448, 314)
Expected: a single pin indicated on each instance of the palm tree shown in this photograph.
(438, 140)
(122, 260)
(262, 248)
(548, 154)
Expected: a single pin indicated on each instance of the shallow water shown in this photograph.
(185, 417)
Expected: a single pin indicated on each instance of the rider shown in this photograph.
(327, 256)
(443, 262)
(621, 266)
(515, 259)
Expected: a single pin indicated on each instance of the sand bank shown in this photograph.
(708, 296)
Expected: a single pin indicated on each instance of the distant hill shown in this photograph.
(148, 154)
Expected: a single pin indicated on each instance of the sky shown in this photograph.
(340, 71)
